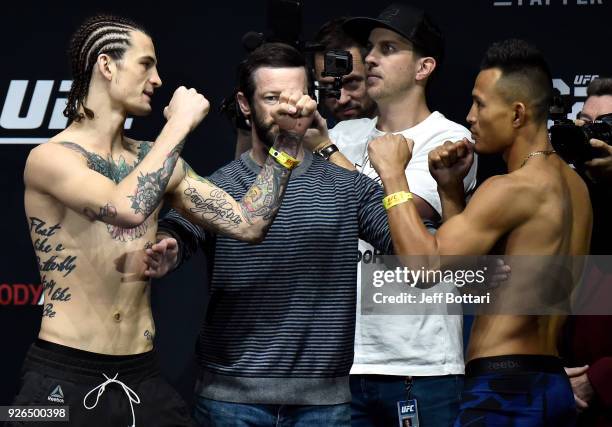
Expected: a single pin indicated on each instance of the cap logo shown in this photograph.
(388, 14)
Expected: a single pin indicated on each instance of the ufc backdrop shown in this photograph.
(198, 45)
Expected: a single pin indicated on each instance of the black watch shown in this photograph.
(328, 151)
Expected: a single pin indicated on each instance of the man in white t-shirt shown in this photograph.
(400, 358)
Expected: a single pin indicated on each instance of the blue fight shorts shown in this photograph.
(516, 390)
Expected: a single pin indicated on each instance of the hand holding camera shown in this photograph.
(586, 145)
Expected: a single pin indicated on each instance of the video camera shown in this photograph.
(285, 26)
(571, 141)
(336, 64)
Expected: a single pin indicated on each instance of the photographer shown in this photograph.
(586, 346)
(598, 103)
(351, 100)
(599, 169)
(354, 101)
(585, 144)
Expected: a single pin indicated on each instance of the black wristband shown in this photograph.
(328, 151)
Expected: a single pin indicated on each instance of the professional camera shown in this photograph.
(572, 142)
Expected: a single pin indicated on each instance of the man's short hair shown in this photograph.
(332, 36)
(525, 74)
(272, 55)
(601, 86)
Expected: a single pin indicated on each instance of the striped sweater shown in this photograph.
(279, 327)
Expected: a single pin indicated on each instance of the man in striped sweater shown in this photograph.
(276, 346)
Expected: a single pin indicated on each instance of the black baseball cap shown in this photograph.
(406, 20)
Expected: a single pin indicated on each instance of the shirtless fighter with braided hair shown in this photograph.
(92, 197)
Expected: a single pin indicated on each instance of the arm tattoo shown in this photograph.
(106, 212)
(215, 209)
(264, 197)
(260, 202)
(189, 172)
(151, 186)
(258, 206)
(115, 170)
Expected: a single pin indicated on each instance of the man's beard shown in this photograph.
(264, 132)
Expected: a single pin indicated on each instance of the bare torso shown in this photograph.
(96, 296)
(559, 225)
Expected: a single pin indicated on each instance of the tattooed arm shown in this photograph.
(209, 206)
(67, 171)
(205, 204)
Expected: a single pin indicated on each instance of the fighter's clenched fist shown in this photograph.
(450, 163)
(188, 106)
(390, 154)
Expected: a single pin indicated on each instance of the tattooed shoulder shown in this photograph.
(95, 162)
(143, 149)
(75, 147)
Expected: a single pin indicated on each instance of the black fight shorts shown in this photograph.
(100, 390)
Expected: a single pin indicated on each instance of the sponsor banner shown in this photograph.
(20, 294)
(574, 87)
(32, 110)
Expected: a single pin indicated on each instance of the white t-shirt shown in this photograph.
(405, 345)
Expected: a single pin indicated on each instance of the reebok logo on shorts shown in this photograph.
(57, 395)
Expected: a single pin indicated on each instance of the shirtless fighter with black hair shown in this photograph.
(540, 208)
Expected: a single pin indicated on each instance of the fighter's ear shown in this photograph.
(243, 104)
(425, 66)
(106, 66)
(519, 114)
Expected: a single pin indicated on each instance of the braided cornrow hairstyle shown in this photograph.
(97, 35)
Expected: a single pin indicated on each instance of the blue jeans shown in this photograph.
(213, 413)
(375, 399)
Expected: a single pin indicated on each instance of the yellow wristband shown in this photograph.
(396, 198)
(284, 159)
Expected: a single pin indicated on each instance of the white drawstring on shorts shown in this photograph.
(102, 387)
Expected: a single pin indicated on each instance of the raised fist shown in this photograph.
(294, 112)
(390, 154)
(187, 106)
(451, 162)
